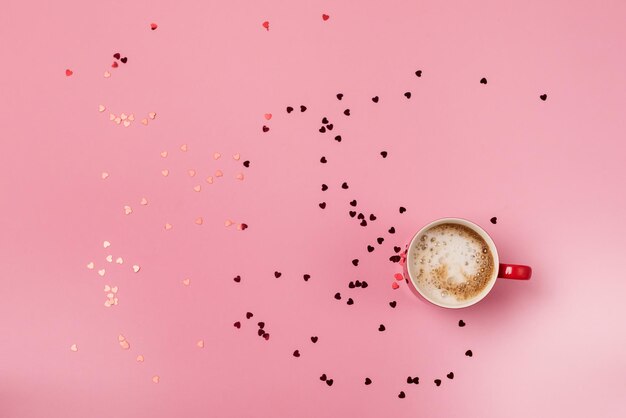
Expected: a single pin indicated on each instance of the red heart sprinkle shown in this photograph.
(114, 65)
(268, 116)
(266, 25)
(395, 285)
(69, 72)
(153, 26)
(325, 16)
(398, 276)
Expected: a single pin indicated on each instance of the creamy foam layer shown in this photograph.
(451, 263)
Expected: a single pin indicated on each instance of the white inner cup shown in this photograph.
(492, 247)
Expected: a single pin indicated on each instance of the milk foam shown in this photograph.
(451, 263)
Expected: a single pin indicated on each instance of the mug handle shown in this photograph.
(514, 271)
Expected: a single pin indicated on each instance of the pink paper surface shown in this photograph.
(551, 171)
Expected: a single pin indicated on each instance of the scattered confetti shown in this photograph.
(143, 201)
(102, 272)
(168, 227)
(239, 176)
(381, 328)
(90, 265)
(199, 221)
(236, 157)
(139, 358)
(183, 148)
(186, 282)
(543, 97)
(461, 323)
(165, 172)
(106, 244)
(266, 25)
(219, 173)
(267, 116)
(469, 353)
(296, 353)
(107, 74)
(128, 210)
(401, 395)
(68, 72)
(191, 173)
(152, 115)
(368, 381)
(153, 26)
(104, 175)
(494, 220)
(450, 375)
(136, 268)
(156, 379)
(395, 285)
(228, 223)
(393, 303)
(437, 382)
(483, 80)
(398, 276)
(101, 108)
(119, 260)
(325, 17)
(200, 344)
(74, 347)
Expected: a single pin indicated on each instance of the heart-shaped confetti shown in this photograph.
(128, 210)
(165, 172)
(268, 116)
(183, 148)
(119, 260)
(118, 120)
(191, 173)
(90, 265)
(395, 285)
(242, 227)
(131, 117)
(236, 157)
(218, 173)
(107, 74)
(68, 72)
(136, 268)
(109, 258)
(126, 123)
(107, 304)
(197, 188)
(144, 121)
(239, 176)
(325, 17)
(107, 288)
(398, 276)
(163, 154)
(200, 344)
(216, 155)
(124, 345)
(209, 180)
(199, 221)
(266, 25)
(74, 347)
(153, 26)
(101, 108)
(228, 222)
(139, 358)
(102, 272)
(121, 338)
(186, 282)
(156, 379)
(114, 64)
(152, 115)
(104, 175)
(114, 289)
(143, 201)
(106, 244)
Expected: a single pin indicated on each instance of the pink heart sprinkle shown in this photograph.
(239, 176)
(197, 188)
(186, 282)
(236, 157)
(199, 221)
(74, 347)
(216, 155)
(268, 116)
(228, 222)
(168, 227)
(191, 173)
(218, 173)
(104, 175)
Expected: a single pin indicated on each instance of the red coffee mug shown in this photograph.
(504, 271)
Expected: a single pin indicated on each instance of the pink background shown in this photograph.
(552, 172)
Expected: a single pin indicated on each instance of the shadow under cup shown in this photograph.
(409, 266)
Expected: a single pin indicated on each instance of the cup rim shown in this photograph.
(478, 230)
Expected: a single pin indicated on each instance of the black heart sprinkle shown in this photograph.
(329, 382)
(249, 315)
(350, 301)
(418, 73)
(368, 381)
(296, 353)
(314, 339)
(494, 220)
(353, 203)
(302, 108)
(394, 258)
(461, 323)
(323, 160)
(370, 248)
(402, 209)
(416, 380)
(384, 154)
(323, 377)
(380, 240)
(339, 96)
(322, 129)
(324, 187)
(351, 285)
(355, 262)
(261, 324)
(329, 126)
(306, 277)
(372, 217)
(266, 336)
(392, 230)
(289, 109)
(237, 324)
(469, 353)
(246, 163)
(346, 112)
(352, 213)
(338, 138)
(277, 274)
(361, 216)
(450, 375)
(393, 304)
(409, 379)
(323, 205)
(124, 60)
(437, 382)
(116, 55)
(358, 283)
(364, 285)
(397, 249)
(338, 296)
(260, 332)
(375, 99)
(324, 120)
(407, 94)
(363, 222)
(543, 97)
(237, 279)
(344, 185)
(401, 395)
(265, 128)
(483, 80)
(381, 328)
